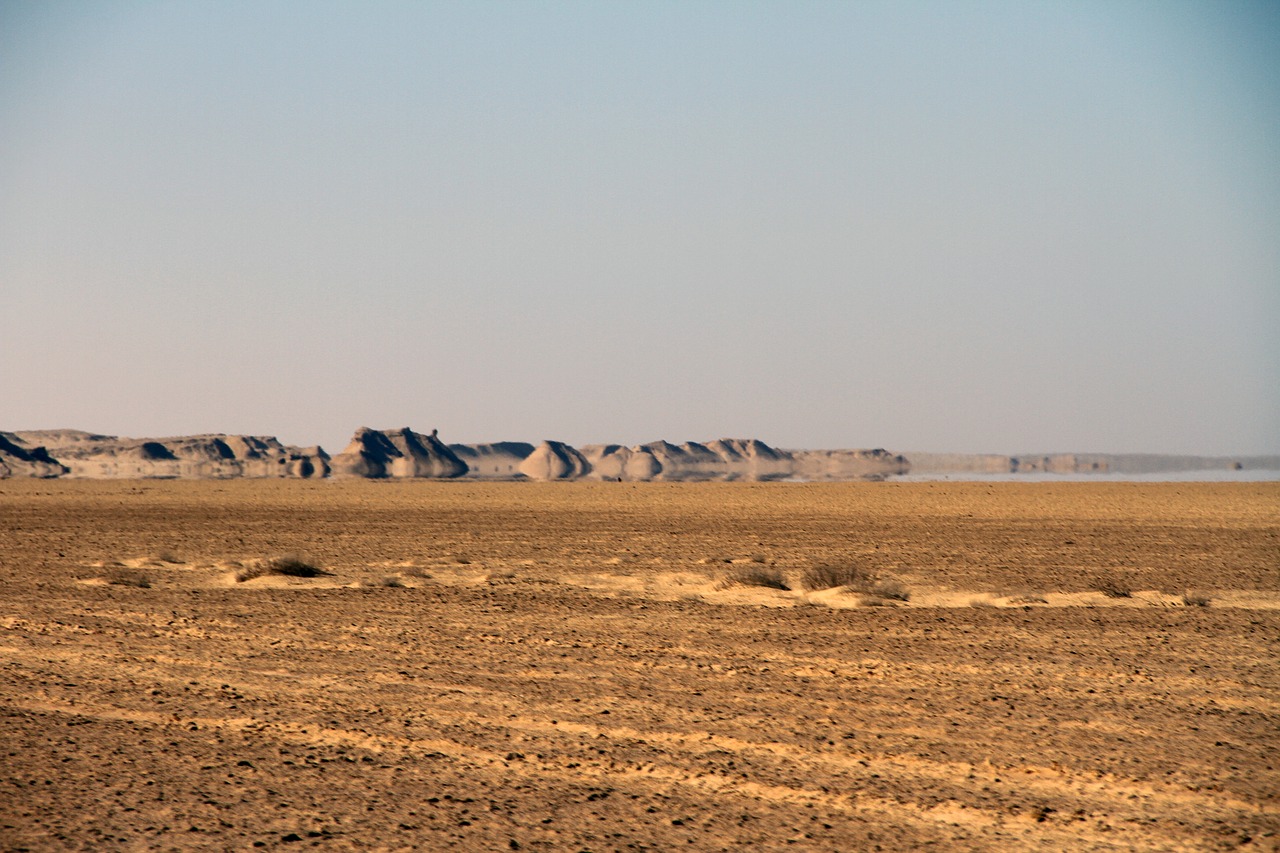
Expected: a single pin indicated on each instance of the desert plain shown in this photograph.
(616, 666)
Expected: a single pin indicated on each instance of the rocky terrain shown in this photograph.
(75, 453)
(401, 453)
(467, 665)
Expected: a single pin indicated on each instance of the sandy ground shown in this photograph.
(564, 666)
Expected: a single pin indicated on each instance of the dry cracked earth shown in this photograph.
(594, 667)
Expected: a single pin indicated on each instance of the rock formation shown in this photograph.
(723, 459)
(405, 453)
(18, 459)
(396, 453)
(215, 456)
(554, 460)
(497, 461)
(877, 464)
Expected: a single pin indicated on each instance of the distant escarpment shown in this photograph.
(497, 461)
(75, 453)
(554, 460)
(396, 453)
(722, 459)
(19, 459)
(1084, 463)
(403, 453)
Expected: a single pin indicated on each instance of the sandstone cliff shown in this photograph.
(722, 459)
(19, 459)
(405, 453)
(499, 460)
(396, 453)
(214, 456)
(554, 460)
(876, 464)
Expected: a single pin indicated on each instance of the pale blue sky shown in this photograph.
(1000, 227)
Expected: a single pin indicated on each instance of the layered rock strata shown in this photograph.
(214, 456)
(722, 459)
(396, 453)
(403, 453)
(19, 459)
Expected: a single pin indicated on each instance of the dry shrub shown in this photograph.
(390, 581)
(755, 575)
(1195, 599)
(1029, 599)
(290, 565)
(890, 589)
(125, 577)
(832, 575)
(853, 578)
(1113, 587)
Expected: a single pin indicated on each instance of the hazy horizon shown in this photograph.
(942, 227)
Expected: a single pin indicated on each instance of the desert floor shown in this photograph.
(570, 666)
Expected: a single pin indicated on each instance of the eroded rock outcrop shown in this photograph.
(722, 459)
(396, 453)
(215, 456)
(18, 459)
(499, 460)
(874, 464)
(405, 453)
(554, 460)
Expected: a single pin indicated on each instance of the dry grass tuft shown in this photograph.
(890, 589)
(1112, 586)
(832, 575)
(127, 577)
(853, 578)
(289, 565)
(755, 575)
(1195, 599)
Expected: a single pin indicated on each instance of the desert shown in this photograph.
(404, 453)
(408, 663)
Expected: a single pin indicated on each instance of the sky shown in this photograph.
(943, 226)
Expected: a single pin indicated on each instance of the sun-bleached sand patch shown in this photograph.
(711, 582)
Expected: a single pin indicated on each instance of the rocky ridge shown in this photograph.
(404, 453)
(76, 453)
